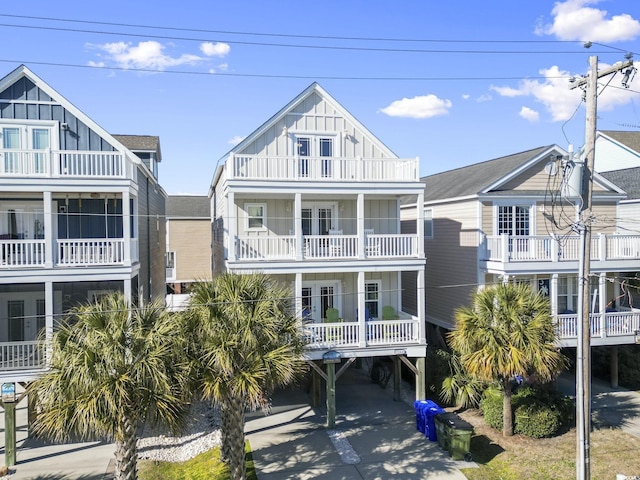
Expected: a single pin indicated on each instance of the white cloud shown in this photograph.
(561, 101)
(96, 64)
(235, 140)
(425, 106)
(144, 55)
(506, 91)
(529, 114)
(577, 20)
(218, 49)
(466, 96)
(484, 98)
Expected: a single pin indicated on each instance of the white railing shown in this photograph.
(22, 253)
(284, 247)
(263, 167)
(545, 248)
(63, 163)
(91, 251)
(22, 355)
(331, 246)
(613, 324)
(266, 248)
(347, 334)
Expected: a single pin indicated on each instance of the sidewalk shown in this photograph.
(374, 438)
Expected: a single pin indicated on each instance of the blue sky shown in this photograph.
(450, 82)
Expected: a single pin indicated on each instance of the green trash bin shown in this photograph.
(460, 439)
(442, 435)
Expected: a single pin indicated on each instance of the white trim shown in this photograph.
(246, 207)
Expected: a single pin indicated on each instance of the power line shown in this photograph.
(293, 45)
(264, 75)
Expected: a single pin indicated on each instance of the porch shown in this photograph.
(609, 328)
(20, 356)
(334, 246)
(352, 334)
(23, 253)
(65, 164)
(340, 169)
(547, 248)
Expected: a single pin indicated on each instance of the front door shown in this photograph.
(314, 155)
(317, 298)
(24, 314)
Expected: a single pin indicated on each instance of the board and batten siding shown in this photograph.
(152, 237)
(452, 259)
(314, 115)
(23, 100)
(611, 156)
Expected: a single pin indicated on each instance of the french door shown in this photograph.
(318, 219)
(317, 297)
(319, 147)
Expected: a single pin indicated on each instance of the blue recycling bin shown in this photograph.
(426, 411)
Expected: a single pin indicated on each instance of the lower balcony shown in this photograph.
(20, 356)
(610, 328)
(377, 333)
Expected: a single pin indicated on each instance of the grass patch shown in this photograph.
(206, 466)
(514, 458)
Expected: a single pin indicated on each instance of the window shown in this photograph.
(255, 216)
(171, 260)
(513, 220)
(428, 223)
(372, 299)
(32, 149)
(567, 294)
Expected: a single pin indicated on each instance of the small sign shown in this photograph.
(8, 392)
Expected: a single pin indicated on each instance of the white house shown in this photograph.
(313, 198)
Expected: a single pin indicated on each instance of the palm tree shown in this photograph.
(508, 331)
(246, 343)
(113, 368)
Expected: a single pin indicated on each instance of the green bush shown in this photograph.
(537, 412)
(536, 420)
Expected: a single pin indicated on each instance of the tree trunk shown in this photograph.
(126, 467)
(507, 416)
(235, 439)
(224, 432)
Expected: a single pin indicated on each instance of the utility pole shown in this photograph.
(583, 350)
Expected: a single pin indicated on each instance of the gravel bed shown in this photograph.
(201, 434)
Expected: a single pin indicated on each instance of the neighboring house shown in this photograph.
(509, 219)
(313, 198)
(188, 245)
(79, 217)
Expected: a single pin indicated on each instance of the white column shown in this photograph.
(48, 318)
(362, 326)
(553, 294)
(420, 223)
(422, 314)
(127, 291)
(50, 243)
(297, 295)
(127, 220)
(602, 300)
(232, 253)
(297, 215)
(360, 225)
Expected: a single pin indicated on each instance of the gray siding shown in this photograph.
(151, 237)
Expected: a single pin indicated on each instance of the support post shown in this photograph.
(613, 365)
(9, 434)
(397, 373)
(331, 395)
(421, 390)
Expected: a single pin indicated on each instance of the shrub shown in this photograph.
(538, 413)
(536, 420)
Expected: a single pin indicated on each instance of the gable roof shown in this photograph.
(141, 143)
(627, 138)
(479, 177)
(194, 207)
(314, 88)
(627, 179)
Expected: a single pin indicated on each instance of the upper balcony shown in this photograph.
(65, 164)
(333, 169)
(608, 328)
(545, 252)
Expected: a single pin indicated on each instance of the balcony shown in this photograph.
(378, 333)
(545, 248)
(68, 252)
(64, 164)
(334, 169)
(610, 328)
(326, 247)
(29, 355)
